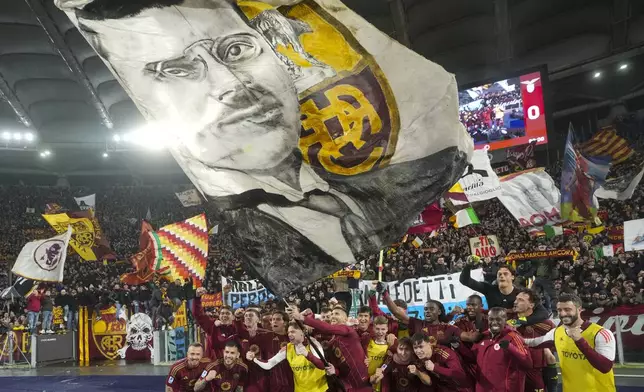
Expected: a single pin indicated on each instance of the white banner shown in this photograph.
(44, 260)
(189, 198)
(86, 202)
(480, 181)
(634, 235)
(416, 292)
(532, 198)
(485, 246)
(619, 188)
(243, 293)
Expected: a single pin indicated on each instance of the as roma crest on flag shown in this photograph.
(317, 137)
(108, 334)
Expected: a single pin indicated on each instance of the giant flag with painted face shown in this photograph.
(317, 137)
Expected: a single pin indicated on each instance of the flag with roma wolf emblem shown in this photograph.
(44, 260)
(87, 237)
(317, 137)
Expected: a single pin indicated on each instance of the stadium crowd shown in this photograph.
(599, 281)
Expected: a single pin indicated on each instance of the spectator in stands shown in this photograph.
(46, 308)
(164, 315)
(33, 308)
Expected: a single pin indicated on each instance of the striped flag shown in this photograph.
(607, 143)
(184, 249)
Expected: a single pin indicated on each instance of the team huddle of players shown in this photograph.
(481, 351)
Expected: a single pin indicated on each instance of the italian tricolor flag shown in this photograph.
(465, 217)
(552, 231)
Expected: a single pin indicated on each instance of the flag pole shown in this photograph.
(380, 267)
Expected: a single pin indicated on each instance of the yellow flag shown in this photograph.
(86, 233)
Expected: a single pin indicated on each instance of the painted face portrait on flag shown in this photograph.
(286, 119)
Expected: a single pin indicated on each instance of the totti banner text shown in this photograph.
(316, 137)
(417, 291)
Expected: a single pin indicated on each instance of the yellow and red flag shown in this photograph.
(87, 237)
(184, 249)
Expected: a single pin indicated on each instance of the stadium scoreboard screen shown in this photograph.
(505, 113)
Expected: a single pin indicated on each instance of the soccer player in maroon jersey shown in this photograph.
(364, 327)
(442, 363)
(394, 375)
(185, 373)
(474, 323)
(218, 331)
(502, 357)
(524, 307)
(348, 343)
(472, 327)
(280, 378)
(252, 338)
(337, 362)
(435, 323)
(394, 326)
(225, 374)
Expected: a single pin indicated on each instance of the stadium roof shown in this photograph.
(54, 85)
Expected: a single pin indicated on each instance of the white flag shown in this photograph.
(532, 198)
(86, 202)
(44, 260)
(480, 182)
(189, 198)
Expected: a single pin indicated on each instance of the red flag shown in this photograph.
(428, 221)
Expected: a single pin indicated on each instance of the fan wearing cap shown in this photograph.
(348, 343)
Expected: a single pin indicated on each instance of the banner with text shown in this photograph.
(212, 300)
(480, 182)
(242, 293)
(615, 234)
(532, 198)
(416, 292)
(485, 246)
(631, 320)
(545, 254)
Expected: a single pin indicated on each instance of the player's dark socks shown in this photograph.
(551, 378)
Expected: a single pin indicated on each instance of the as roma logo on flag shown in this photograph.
(350, 122)
(109, 333)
